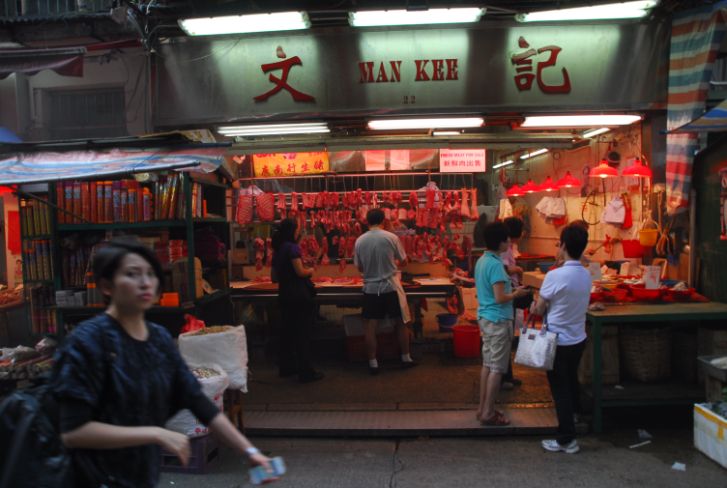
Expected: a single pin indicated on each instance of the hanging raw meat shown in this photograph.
(433, 218)
(413, 200)
(448, 201)
(259, 252)
(396, 197)
(374, 201)
(244, 209)
(312, 246)
(402, 240)
(359, 198)
(303, 248)
(341, 265)
(368, 198)
(430, 198)
(312, 219)
(325, 260)
(402, 214)
(387, 213)
(350, 246)
(281, 205)
(321, 199)
(342, 246)
(465, 209)
(269, 252)
(266, 207)
(357, 229)
(474, 214)
(456, 201)
(335, 200)
(335, 240)
(411, 215)
(293, 202)
(385, 197)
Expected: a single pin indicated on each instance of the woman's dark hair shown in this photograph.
(495, 233)
(575, 238)
(580, 223)
(285, 233)
(108, 260)
(375, 216)
(516, 225)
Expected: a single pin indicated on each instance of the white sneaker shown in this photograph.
(553, 446)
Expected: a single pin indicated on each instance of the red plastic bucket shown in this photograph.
(632, 248)
(466, 341)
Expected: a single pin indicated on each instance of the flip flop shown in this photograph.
(496, 420)
(479, 416)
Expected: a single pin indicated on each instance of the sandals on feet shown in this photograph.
(497, 420)
(479, 415)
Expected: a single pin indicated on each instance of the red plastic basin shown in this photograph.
(680, 296)
(639, 292)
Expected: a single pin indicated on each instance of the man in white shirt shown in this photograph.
(378, 254)
(563, 301)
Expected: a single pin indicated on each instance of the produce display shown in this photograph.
(8, 297)
(212, 330)
(24, 362)
(204, 372)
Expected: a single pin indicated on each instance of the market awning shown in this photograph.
(713, 121)
(53, 166)
(64, 61)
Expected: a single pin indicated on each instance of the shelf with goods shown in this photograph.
(169, 229)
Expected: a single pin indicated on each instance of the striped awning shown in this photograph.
(54, 166)
(713, 121)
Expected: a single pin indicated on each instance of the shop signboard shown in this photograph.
(462, 161)
(289, 164)
(394, 71)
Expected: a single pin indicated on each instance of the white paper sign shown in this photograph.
(595, 270)
(462, 160)
(651, 277)
(399, 160)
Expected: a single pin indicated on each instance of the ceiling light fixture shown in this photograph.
(404, 17)
(533, 154)
(638, 170)
(624, 10)
(245, 24)
(274, 129)
(603, 170)
(506, 163)
(569, 181)
(530, 187)
(549, 185)
(579, 120)
(595, 132)
(446, 133)
(515, 191)
(425, 123)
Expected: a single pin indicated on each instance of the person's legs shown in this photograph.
(402, 332)
(492, 389)
(286, 345)
(495, 351)
(561, 392)
(371, 325)
(574, 383)
(302, 341)
(484, 376)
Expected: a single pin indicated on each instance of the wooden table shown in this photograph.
(643, 394)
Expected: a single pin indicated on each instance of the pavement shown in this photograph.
(604, 461)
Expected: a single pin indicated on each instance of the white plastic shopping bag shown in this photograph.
(228, 349)
(213, 388)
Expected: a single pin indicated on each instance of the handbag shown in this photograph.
(536, 348)
(524, 302)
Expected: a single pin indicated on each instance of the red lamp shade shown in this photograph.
(603, 170)
(569, 181)
(530, 187)
(549, 185)
(515, 191)
(5, 189)
(638, 170)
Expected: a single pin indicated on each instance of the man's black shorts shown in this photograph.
(379, 306)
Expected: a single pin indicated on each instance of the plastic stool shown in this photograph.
(232, 404)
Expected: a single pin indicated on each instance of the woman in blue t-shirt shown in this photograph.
(120, 378)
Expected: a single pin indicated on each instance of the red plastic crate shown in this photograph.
(387, 347)
(204, 453)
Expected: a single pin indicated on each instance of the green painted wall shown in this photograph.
(712, 251)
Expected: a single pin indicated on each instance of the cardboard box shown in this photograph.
(180, 281)
(469, 295)
(709, 434)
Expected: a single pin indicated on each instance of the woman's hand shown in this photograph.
(521, 292)
(259, 459)
(176, 443)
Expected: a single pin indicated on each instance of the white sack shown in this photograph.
(228, 349)
(213, 388)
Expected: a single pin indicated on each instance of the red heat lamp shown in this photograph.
(515, 191)
(549, 185)
(638, 170)
(6, 189)
(603, 170)
(569, 181)
(530, 187)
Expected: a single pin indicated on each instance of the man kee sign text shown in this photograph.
(435, 73)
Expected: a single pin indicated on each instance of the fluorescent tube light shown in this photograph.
(446, 133)
(625, 10)
(274, 129)
(506, 163)
(580, 120)
(595, 132)
(425, 123)
(403, 17)
(533, 154)
(245, 24)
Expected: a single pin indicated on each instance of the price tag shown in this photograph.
(651, 277)
(595, 270)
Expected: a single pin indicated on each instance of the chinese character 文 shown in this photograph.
(283, 81)
(524, 80)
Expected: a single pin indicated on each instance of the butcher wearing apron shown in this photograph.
(375, 255)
